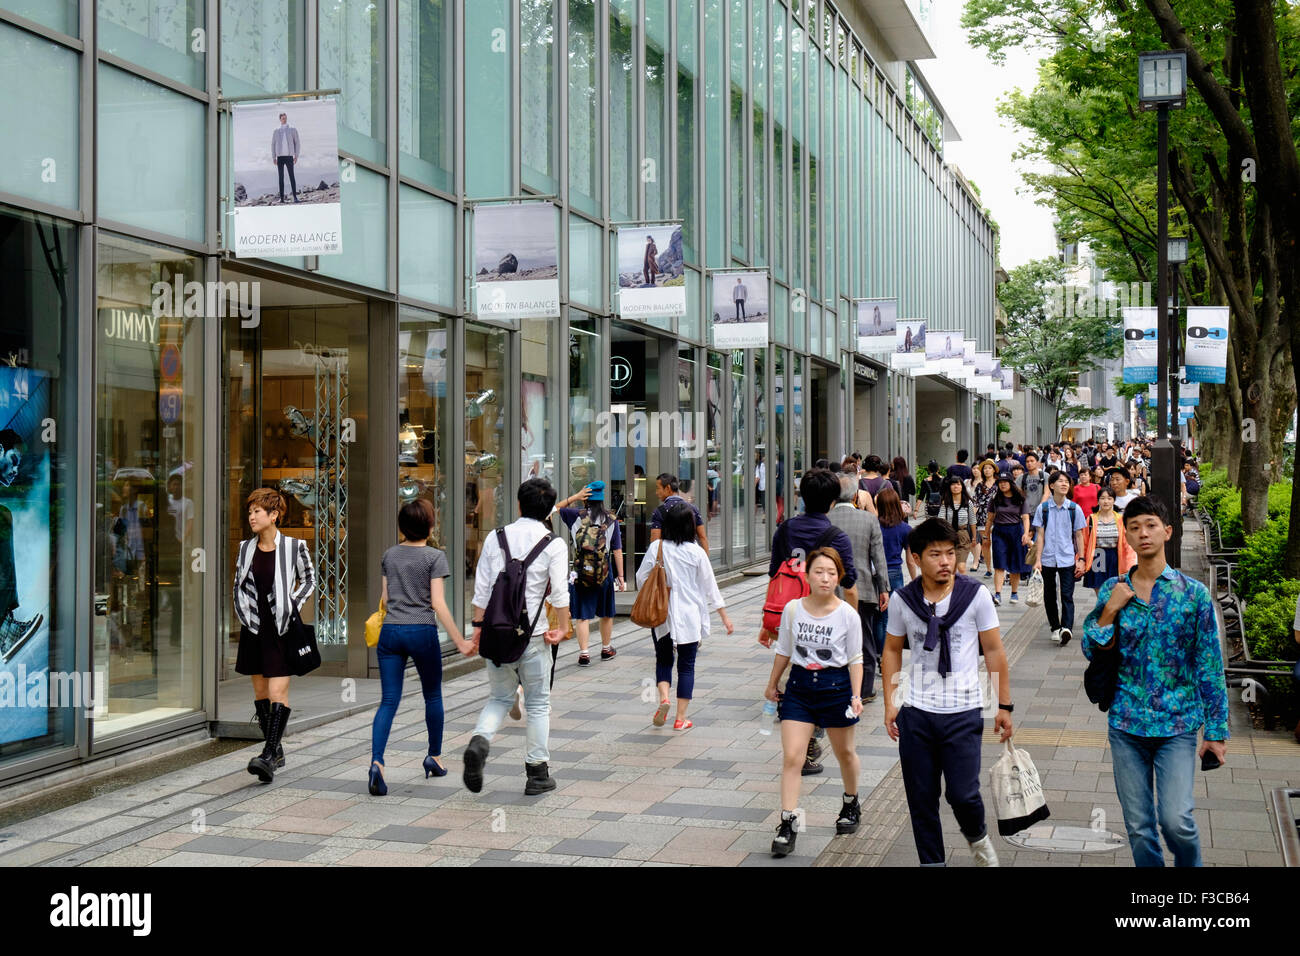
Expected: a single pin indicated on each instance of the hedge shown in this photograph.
(1269, 622)
(1260, 561)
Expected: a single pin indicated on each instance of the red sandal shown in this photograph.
(661, 715)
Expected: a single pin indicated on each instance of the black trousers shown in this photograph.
(930, 745)
(282, 163)
(868, 614)
(1064, 616)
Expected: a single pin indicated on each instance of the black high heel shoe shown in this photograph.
(377, 786)
(431, 768)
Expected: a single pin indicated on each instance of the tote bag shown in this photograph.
(304, 655)
(1034, 590)
(1017, 791)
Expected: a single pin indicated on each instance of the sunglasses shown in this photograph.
(825, 653)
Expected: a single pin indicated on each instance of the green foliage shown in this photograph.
(1230, 527)
(1279, 499)
(1269, 622)
(1261, 558)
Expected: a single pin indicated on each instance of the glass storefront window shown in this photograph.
(739, 134)
(365, 232)
(584, 109)
(424, 91)
(586, 248)
(426, 243)
(489, 496)
(149, 507)
(538, 449)
(714, 466)
(776, 473)
(762, 458)
(584, 396)
(39, 152)
(538, 111)
(623, 159)
(58, 15)
(797, 395)
(353, 35)
(158, 35)
(688, 466)
(656, 109)
(424, 425)
(262, 47)
(687, 71)
(487, 98)
(739, 472)
(152, 156)
(689, 325)
(38, 469)
(715, 131)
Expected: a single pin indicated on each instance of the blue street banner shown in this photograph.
(1189, 392)
(1206, 350)
(1139, 346)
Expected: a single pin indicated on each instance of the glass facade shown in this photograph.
(763, 126)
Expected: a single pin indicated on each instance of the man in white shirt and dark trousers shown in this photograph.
(1059, 544)
(284, 150)
(937, 718)
(547, 575)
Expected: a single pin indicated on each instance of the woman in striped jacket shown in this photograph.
(273, 579)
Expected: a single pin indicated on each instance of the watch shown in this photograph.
(1007, 707)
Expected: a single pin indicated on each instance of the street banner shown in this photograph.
(943, 351)
(1189, 392)
(740, 310)
(877, 324)
(1139, 345)
(983, 380)
(285, 175)
(967, 371)
(651, 271)
(516, 261)
(25, 553)
(909, 344)
(1206, 351)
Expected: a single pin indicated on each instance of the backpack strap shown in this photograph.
(538, 548)
(503, 544)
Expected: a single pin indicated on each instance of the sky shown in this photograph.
(969, 87)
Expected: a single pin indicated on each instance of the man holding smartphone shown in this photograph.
(1170, 684)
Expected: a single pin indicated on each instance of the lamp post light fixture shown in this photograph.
(1162, 86)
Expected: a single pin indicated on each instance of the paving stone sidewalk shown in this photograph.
(629, 794)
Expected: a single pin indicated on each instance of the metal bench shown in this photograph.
(1286, 818)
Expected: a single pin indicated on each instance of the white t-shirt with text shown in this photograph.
(925, 688)
(815, 643)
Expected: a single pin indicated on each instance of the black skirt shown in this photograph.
(262, 653)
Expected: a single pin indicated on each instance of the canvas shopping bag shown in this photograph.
(1017, 791)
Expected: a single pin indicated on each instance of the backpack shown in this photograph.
(933, 495)
(590, 554)
(506, 629)
(789, 583)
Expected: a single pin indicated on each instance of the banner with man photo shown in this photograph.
(517, 261)
(285, 179)
(651, 271)
(740, 309)
(1140, 329)
(1206, 351)
(909, 344)
(877, 324)
(983, 378)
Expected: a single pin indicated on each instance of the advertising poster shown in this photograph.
(516, 261)
(1189, 391)
(967, 371)
(877, 322)
(909, 344)
(983, 380)
(1139, 346)
(1206, 351)
(651, 271)
(285, 171)
(740, 310)
(24, 553)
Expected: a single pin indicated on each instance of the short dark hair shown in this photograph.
(10, 439)
(873, 463)
(819, 489)
(536, 498)
(931, 531)
(1033, 455)
(825, 553)
(415, 519)
(669, 481)
(1146, 505)
(962, 455)
(679, 524)
(1052, 479)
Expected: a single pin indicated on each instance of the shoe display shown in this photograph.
(15, 633)
(850, 816)
(607, 653)
(983, 851)
(783, 842)
(475, 757)
(539, 779)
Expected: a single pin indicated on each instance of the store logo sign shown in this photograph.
(129, 325)
(620, 372)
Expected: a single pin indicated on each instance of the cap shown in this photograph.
(597, 491)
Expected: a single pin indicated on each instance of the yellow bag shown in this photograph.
(374, 624)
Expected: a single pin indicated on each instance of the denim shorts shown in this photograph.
(819, 697)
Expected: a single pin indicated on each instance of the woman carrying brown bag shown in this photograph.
(693, 592)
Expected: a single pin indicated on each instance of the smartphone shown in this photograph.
(1210, 762)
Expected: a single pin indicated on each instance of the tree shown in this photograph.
(1051, 348)
(1233, 171)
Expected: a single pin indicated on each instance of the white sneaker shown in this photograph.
(983, 851)
(1056, 636)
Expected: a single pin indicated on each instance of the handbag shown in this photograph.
(375, 624)
(1102, 675)
(651, 606)
(1034, 590)
(303, 652)
(1017, 791)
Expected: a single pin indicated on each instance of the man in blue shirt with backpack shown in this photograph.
(1058, 543)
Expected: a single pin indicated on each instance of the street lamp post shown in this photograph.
(1162, 85)
(1177, 255)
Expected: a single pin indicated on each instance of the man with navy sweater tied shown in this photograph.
(937, 718)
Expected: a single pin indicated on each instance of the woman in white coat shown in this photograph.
(694, 593)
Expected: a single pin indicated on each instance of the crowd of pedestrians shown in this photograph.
(874, 564)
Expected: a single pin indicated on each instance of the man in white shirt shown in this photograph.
(738, 296)
(548, 574)
(947, 617)
(284, 151)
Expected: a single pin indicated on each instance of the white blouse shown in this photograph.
(693, 589)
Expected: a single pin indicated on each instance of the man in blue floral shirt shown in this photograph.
(1170, 684)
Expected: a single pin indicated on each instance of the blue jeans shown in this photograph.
(1173, 760)
(896, 578)
(533, 672)
(397, 642)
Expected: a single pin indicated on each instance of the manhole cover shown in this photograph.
(1054, 838)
